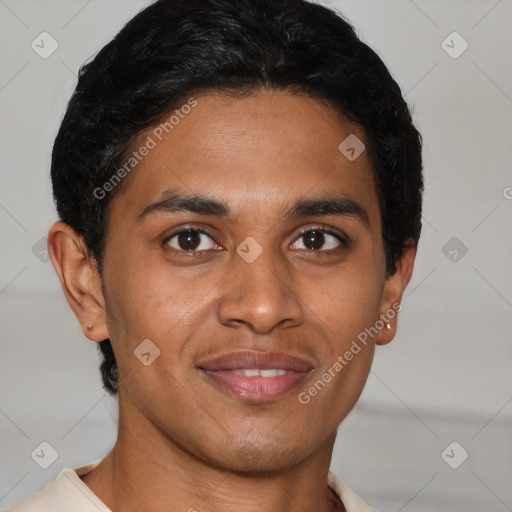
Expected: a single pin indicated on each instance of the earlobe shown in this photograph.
(79, 279)
(393, 292)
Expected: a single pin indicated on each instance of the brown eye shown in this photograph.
(318, 240)
(314, 239)
(191, 240)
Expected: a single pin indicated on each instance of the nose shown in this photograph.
(260, 295)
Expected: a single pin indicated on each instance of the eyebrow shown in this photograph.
(176, 202)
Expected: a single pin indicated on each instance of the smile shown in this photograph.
(260, 373)
(256, 376)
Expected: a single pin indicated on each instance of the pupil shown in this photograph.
(189, 240)
(315, 239)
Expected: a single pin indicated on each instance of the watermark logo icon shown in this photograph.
(146, 352)
(454, 455)
(249, 249)
(40, 250)
(454, 45)
(44, 455)
(352, 147)
(454, 249)
(44, 45)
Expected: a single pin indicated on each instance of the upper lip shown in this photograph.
(248, 359)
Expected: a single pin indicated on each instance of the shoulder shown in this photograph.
(67, 493)
(352, 502)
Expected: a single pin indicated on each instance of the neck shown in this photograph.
(150, 472)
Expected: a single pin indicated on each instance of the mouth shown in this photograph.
(256, 376)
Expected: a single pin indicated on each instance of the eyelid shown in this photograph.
(338, 234)
(342, 238)
(185, 229)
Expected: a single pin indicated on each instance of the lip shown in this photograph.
(224, 373)
(247, 359)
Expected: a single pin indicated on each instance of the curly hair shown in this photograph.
(175, 48)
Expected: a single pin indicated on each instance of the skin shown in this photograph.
(182, 443)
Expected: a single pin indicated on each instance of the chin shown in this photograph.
(260, 458)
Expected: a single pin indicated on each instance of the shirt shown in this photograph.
(68, 493)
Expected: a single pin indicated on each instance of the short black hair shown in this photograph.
(174, 49)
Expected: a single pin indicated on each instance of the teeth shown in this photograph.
(272, 373)
(260, 373)
(249, 373)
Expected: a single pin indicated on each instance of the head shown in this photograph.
(230, 117)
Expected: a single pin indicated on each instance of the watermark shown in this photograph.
(40, 250)
(44, 45)
(146, 352)
(341, 361)
(454, 455)
(352, 147)
(507, 193)
(454, 249)
(150, 143)
(249, 249)
(454, 45)
(44, 455)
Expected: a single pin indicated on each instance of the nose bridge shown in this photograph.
(259, 292)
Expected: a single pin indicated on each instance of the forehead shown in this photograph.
(259, 154)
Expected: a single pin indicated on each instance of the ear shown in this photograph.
(80, 280)
(392, 295)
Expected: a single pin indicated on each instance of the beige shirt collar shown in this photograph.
(68, 493)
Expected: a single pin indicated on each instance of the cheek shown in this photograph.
(136, 287)
(336, 387)
(132, 291)
(347, 302)
(153, 302)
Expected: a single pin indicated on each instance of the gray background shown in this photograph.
(446, 377)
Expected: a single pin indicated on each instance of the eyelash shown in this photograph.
(166, 240)
(343, 240)
(344, 243)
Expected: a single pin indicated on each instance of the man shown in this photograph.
(239, 189)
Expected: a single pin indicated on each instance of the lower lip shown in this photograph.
(260, 389)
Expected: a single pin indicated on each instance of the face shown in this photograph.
(246, 230)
